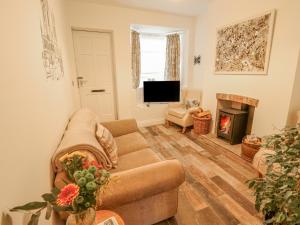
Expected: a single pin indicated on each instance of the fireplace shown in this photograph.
(234, 117)
(232, 125)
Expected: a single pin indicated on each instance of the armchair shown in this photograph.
(179, 114)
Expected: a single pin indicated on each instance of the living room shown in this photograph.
(44, 83)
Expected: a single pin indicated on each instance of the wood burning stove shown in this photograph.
(232, 125)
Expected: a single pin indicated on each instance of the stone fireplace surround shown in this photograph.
(236, 102)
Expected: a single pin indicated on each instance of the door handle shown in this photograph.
(80, 81)
(98, 90)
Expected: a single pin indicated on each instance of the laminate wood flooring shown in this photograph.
(214, 192)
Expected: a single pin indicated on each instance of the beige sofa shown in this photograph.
(146, 187)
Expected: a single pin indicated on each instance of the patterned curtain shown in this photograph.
(172, 69)
(135, 59)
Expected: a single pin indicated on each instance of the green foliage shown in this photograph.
(278, 192)
(73, 164)
(90, 181)
(30, 206)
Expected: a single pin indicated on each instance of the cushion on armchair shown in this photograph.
(177, 112)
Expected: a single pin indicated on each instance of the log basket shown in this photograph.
(249, 150)
(202, 124)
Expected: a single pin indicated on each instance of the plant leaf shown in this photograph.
(251, 184)
(30, 206)
(49, 197)
(49, 211)
(34, 220)
(269, 220)
(55, 191)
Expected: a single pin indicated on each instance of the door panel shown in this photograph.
(93, 54)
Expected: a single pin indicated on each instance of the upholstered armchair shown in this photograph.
(180, 113)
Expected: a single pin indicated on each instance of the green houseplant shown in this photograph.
(278, 192)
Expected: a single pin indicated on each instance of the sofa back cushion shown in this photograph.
(108, 143)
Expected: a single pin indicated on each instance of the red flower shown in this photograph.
(67, 195)
(96, 164)
(85, 164)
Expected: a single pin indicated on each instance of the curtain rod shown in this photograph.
(160, 34)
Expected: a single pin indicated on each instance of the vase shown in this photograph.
(84, 218)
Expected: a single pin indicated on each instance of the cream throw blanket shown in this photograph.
(80, 141)
(80, 136)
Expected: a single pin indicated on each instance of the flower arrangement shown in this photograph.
(80, 196)
(278, 192)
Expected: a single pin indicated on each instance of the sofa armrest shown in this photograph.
(121, 127)
(142, 182)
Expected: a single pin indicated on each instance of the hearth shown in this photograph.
(232, 125)
(234, 116)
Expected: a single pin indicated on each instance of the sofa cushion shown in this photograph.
(130, 143)
(136, 159)
(177, 112)
(108, 143)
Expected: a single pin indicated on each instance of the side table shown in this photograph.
(103, 215)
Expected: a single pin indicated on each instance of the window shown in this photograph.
(153, 57)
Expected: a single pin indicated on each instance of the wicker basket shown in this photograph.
(201, 124)
(249, 150)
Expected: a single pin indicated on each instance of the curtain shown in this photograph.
(135, 59)
(172, 69)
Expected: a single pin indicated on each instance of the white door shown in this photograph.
(94, 62)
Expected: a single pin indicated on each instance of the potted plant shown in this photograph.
(78, 197)
(278, 192)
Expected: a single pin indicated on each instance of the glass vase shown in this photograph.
(84, 218)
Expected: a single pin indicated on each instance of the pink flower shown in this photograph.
(67, 195)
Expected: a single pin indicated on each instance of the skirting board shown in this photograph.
(152, 122)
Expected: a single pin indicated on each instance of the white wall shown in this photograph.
(34, 110)
(117, 19)
(295, 99)
(274, 90)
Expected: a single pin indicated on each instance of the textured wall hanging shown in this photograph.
(244, 48)
(52, 58)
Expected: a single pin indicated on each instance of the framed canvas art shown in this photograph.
(244, 47)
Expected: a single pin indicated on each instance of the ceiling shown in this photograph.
(181, 7)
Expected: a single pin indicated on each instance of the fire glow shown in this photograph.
(225, 122)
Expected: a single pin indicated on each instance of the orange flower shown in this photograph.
(67, 194)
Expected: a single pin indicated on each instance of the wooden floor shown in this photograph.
(214, 192)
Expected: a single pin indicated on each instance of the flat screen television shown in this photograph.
(161, 91)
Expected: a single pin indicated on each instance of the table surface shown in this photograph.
(103, 215)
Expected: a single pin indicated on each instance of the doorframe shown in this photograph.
(111, 34)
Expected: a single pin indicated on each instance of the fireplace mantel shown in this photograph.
(238, 98)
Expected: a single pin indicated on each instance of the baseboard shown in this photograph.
(152, 122)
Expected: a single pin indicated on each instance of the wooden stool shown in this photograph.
(103, 215)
